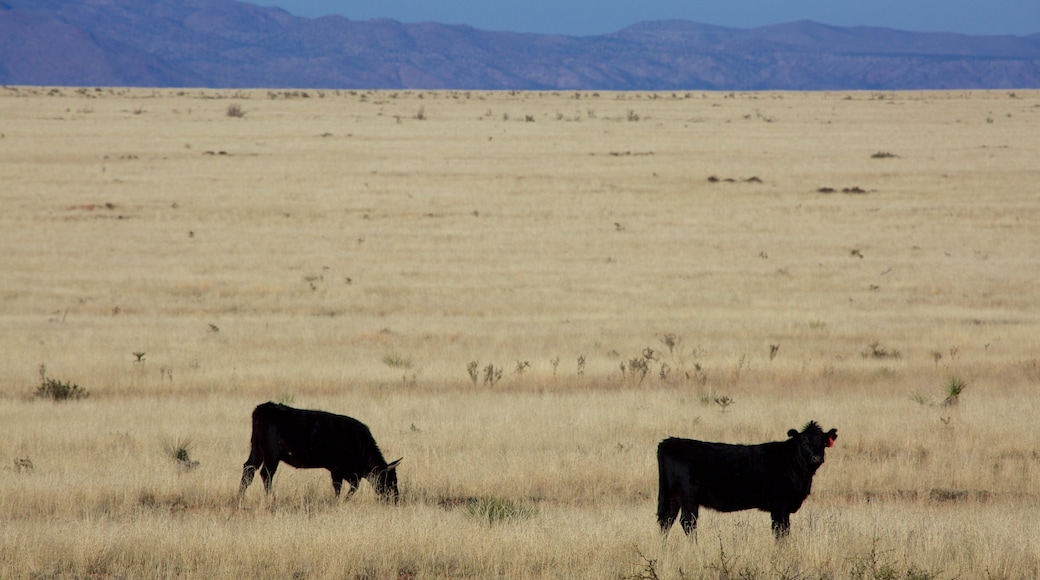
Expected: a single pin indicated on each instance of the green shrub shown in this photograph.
(56, 390)
(495, 510)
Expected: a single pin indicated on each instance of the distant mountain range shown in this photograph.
(230, 44)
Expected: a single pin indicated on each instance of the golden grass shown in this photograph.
(338, 252)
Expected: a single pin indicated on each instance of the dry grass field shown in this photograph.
(521, 294)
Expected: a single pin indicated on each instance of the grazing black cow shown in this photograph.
(775, 477)
(307, 439)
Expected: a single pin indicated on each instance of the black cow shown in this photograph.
(307, 439)
(775, 477)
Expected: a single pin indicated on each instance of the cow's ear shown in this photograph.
(831, 436)
(393, 464)
(792, 432)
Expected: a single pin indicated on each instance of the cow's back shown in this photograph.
(308, 438)
(722, 476)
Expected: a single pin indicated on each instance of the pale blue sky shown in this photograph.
(585, 17)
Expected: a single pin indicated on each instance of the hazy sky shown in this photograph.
(585, 17)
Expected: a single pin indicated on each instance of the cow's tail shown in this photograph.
(667, 503)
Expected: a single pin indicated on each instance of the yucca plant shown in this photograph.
(180, 451)
(954, 387)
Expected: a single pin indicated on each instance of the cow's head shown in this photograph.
(813, 442)
(385, 481)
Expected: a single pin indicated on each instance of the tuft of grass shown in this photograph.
(235, 110)
(396, 361)
(286, 398)
(495, 510)
(57, 390)
(920, 399)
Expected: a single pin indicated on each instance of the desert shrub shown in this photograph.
(875, 350)
(57, 390)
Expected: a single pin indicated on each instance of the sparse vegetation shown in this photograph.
(492, 375)
(723, 402)
(57, 390)
(708, 276)
(876, 350)
(235, 111)
(23, 465)
(396, 361)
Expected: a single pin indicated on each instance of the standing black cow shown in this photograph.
(305, 439)
(774, 477)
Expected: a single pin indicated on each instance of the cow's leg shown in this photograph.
(667, 510)
(352, 482)
(337, 483)
(781, 524)
(248, 471)
(267, 474)
(689, 516)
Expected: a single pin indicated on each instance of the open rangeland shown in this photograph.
(521, 294)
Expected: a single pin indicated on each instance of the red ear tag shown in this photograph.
(830, 442)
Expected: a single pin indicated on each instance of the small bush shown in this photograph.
(23, 465)
(723, 402)
(492, 375)
(878, 351)
(58, 391)
(235, 110)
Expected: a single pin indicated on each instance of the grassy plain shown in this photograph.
(386, 254)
